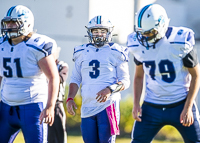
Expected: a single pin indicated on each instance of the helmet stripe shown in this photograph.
(141, 14)
(98, 19)
(10, 11)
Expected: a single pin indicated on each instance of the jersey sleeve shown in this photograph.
(41, 46)
(188, 53)
(133, 45)
(185, 36)
(137, 62)
(123, 74)
(78, 51)
(191, 59)
(76, 74)
(77, 58)
(121, 55)
(120, 52)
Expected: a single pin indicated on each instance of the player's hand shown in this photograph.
(71, 105)
(186, 117)
(137, 113)
(47, 115)
(103, 95)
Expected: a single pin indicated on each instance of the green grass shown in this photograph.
(78, 139)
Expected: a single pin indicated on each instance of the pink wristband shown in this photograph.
(69, 99)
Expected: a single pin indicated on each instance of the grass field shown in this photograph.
(78, 139)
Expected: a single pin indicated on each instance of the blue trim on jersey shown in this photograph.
(89, 44)
(190, 38)
(78, 50)
(120, 52)
(3, 39)
(48, 47)
(169, 31)
(180, 43)
(36, 48)
(10, 11)
(126, 49)
(133, 46)
(110, 44)
(141, 14)
(177, 43)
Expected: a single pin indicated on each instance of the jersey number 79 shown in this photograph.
(166, 68)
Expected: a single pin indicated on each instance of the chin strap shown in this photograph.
(115, 87)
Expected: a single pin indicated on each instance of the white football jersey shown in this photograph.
(24, 82)
(167, 79)
(97, 68)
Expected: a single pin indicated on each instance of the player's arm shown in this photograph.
(186, 117)
(75, 82)
(73, 89)
(190, 61)
(137, 86)
(48, 66)
(122, 76)
(123, 83)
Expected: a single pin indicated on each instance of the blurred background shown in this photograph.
(65, 21)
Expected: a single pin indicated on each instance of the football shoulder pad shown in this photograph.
(132, 40)
(43, 43)
(182, 34)
(183, 38)
(78, 51)
(119, 52)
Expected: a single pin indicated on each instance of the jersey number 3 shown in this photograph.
(166, 69)
(95, 71)
(9, 71)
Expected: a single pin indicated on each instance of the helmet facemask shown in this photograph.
(148, 38)
(151, 24)
(12, 32)
(99, 22)
(22, 17)
(99, 40)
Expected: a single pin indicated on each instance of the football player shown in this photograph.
(25, 61)
(165, 56)
(57, 132)
(102, 68)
